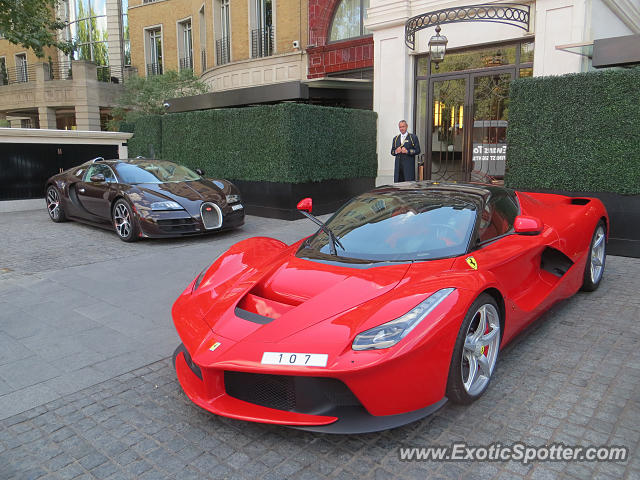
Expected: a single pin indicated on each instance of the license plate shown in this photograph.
(236, 207)
(297, 359)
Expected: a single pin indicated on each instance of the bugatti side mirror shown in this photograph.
(525, 225)
(306, 205)
(200, 172)
(97, 178)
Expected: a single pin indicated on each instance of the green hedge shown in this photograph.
(577, 132)
(287, 142)
(147, 136)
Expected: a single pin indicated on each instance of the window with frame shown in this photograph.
(22, 69)
(154, 51)
(262, 32)
(348, 20)
(223, 43)
(4, 78)
(185, 45)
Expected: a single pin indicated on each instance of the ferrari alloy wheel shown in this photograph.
(54, 207)
(594, 268)
(124, 221)
(476, 351)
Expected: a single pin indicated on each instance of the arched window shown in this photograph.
(348, 20)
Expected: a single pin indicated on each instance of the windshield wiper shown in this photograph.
(333, 239)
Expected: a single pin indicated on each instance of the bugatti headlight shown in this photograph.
(167, 205)
(390, 333)
(233, 198)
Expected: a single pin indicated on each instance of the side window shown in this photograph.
(109, 176)
(92, 170)
(97, 169)
(497, 217)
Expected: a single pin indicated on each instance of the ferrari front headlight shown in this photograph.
(167, 205)
(199, 280)
(390, 333)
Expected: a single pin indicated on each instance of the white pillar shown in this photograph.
(392, 77)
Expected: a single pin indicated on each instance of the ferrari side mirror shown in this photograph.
(200, 172)
(306, 204)
(98, 177)
(525, 225)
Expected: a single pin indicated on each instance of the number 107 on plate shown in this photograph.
(297, 359)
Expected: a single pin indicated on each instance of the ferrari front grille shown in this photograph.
(211, 215)
(311, 395)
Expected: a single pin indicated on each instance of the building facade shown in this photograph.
(459, 108)
(231, 45)
(73, 91)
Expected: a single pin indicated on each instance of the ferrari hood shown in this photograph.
(294, 294)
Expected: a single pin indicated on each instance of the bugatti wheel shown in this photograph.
(594, 268)
(124, 221)
(54, 205)
(476, 351)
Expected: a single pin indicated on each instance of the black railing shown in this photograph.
(59, 71)
(262, 42)
(110, 74)
(154, 69)
(203, 59)
(223, 50)
(21, 74)
(186, 63)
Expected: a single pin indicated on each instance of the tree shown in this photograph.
(33, 24)
(146, 96)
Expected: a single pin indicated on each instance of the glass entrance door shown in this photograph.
(490, 106)
(467, 126)
(446, 154)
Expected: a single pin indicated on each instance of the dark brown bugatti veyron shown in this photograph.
(143, 198)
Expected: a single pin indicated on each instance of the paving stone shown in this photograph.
(579, 360)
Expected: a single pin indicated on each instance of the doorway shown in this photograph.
(462, 111)
(468, 121)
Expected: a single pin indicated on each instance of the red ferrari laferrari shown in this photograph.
(400, 301)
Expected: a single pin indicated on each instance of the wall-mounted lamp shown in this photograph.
(438, 47)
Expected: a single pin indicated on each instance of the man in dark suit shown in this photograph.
(405, 147)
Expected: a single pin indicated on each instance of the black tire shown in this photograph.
(594, 268)
(465, 392)
(53, 200)
(124, 221)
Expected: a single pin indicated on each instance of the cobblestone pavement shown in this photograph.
(574, 377)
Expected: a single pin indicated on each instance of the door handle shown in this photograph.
(81, 190)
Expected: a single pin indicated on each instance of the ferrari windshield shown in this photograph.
(398, 226)
(148, 171)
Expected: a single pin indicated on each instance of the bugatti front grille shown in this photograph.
(211, 215)
(311, 395)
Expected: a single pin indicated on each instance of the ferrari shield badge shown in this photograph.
(472, 263)
(214, 346)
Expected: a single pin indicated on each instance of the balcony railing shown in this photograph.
(20, 74)
(186, 63)
(154, 69)
(57, 71)
(203, 59)
(262, 42)
(223, 49)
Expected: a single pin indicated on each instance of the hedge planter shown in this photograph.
(279, 200)
(624, 216)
